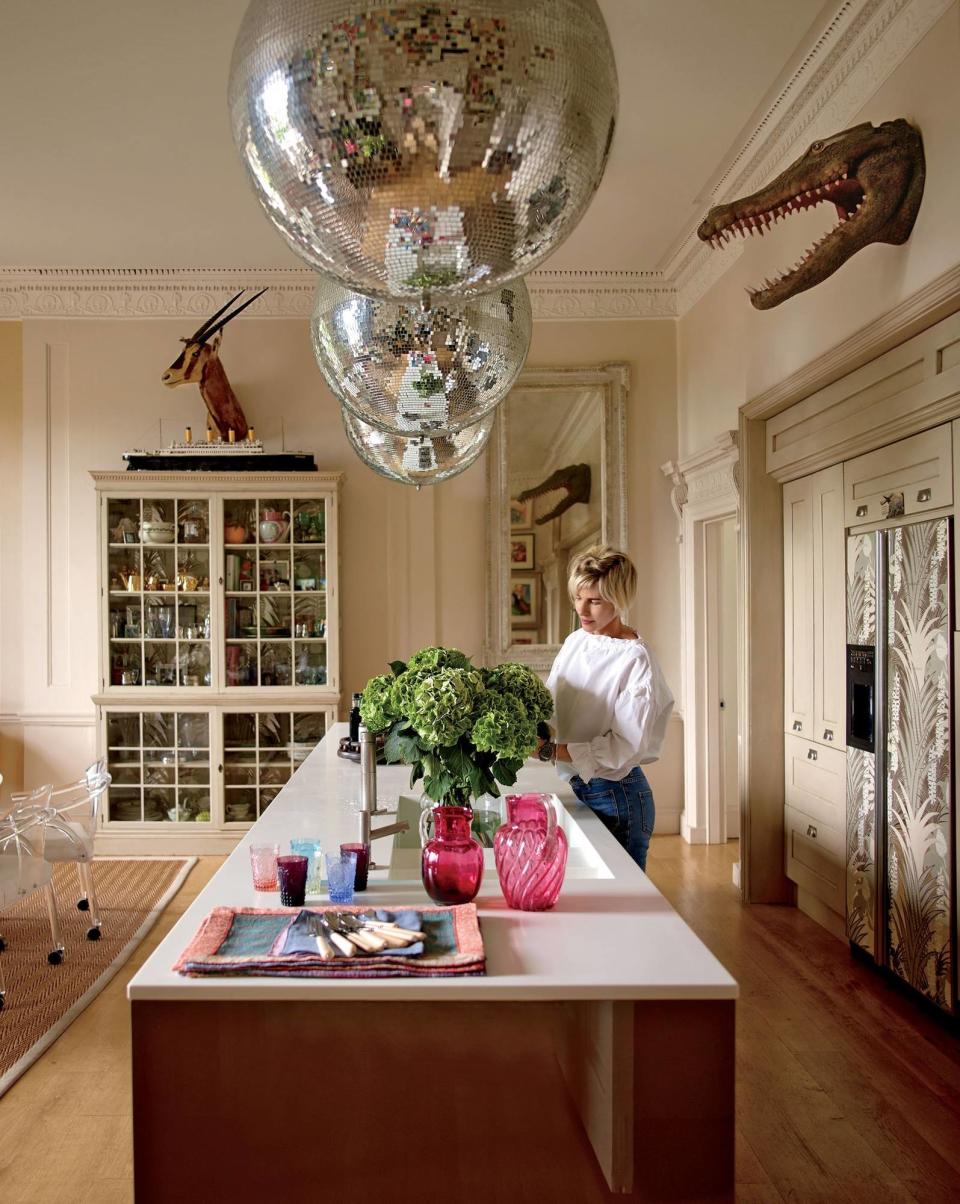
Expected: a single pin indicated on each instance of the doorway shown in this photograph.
(720, 581)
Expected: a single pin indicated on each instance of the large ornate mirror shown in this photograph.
(556, 480)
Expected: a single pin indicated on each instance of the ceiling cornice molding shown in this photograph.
(829, 81)
(860, 47)
(196, 292)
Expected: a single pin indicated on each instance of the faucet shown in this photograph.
(368, 792)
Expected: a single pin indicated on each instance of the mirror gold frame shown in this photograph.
(611, 383)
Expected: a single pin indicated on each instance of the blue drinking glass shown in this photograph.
(306, 846)
(341, 871)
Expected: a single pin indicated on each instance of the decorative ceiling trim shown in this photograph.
(196, 292)
(828, 82)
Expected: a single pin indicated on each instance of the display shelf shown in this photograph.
(196, 622)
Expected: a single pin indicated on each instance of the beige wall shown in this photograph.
(729, 352)
(412, 564)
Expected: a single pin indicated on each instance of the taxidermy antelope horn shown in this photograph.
(575, 478)
(199, 363)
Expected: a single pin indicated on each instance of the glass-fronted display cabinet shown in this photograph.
(219, 648)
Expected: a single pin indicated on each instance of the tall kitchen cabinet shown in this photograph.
(219, 666)
(814, 690)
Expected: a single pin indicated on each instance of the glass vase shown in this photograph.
(530, 853)
(452, 860)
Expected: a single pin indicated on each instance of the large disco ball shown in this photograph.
(422, 459)
(422, 371)
(440, 148)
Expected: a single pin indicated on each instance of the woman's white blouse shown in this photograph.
(611, 705)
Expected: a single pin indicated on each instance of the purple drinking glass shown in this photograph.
(363, 863)
(452, 861)
(292, 877)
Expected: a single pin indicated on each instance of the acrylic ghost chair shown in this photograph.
(71, 822)
(24, 870)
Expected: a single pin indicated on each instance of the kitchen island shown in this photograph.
(593, 1061)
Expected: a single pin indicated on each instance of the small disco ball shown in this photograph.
(433, 371)
(422, 459)
(406, 149)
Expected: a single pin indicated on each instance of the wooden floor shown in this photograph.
(845, 1090)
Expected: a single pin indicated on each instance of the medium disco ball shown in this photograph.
(422, 459)
(440, 148)
(433, 371)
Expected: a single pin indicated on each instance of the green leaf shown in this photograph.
(392, 748)
(505, 772)
(416, 773)
(437, 786)
(410, 746)
(398, 667)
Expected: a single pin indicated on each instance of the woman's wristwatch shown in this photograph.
(547, 751)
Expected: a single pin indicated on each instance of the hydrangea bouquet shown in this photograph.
(464, 730)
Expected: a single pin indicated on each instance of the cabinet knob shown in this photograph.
(924, 495)
(827, 734)
(861, 512)
(811, 754)
(811, 831)
(797, 725)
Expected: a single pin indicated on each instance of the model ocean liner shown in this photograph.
(248, 455)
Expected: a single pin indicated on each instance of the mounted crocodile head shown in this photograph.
(873, 175)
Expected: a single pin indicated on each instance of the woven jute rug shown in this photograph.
(42, 1000)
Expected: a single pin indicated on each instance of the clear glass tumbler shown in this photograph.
(341, 871)
(263, 863)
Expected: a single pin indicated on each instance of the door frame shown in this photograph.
(705, 491)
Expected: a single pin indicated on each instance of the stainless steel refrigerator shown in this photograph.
(901, 869)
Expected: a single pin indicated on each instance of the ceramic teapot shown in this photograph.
(274, 525)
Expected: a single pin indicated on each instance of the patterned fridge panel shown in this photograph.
(918, 757)
(861, 766)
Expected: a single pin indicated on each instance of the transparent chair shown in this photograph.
(70, 818)
(24, 870)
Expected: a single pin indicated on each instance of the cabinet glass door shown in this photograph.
(158, 560)
(159, 762)
(275, 576)
(261, 750)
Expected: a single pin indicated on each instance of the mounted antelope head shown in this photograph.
(199, 364)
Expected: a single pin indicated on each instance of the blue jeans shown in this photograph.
(625, 808)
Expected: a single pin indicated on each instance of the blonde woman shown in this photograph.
(611, 703)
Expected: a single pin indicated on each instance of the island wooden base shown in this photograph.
(400, 1102)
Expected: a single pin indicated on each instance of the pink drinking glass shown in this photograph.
(263, 863)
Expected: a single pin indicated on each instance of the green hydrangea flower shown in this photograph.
(377, 708)
(525, 686)
(504, 727)
(438, 658)
(442, 706)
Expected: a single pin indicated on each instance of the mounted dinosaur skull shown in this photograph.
(874, 177)
(199, 363)
(575, 478)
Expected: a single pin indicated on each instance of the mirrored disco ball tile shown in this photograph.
(411, 149)
(404, 369)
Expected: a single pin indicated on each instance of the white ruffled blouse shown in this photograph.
(611, 705)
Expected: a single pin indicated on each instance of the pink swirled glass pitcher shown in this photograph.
(530, 852)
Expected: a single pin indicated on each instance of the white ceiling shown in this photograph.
(117, 149)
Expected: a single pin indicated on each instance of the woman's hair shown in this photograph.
(610, 572)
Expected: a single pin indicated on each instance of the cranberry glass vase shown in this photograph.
(531, 853)
(452, 860)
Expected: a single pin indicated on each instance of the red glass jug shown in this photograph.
(531, 853)
(452, 860)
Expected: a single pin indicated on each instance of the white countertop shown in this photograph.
(612, 935)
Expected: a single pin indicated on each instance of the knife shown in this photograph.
(334, 938)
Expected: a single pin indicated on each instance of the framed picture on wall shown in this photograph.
(524, 601)
(521, 514)
(521, 550)
(521, 637)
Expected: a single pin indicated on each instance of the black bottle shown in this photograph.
(355, 719)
